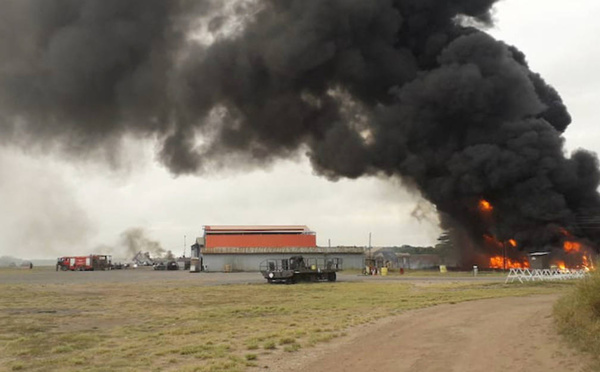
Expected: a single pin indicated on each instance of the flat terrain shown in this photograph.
(48, 275)
(496, 335)
(211, 322)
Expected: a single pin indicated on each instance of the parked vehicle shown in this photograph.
(297, 268)
(171, 265)
(159, 266)
(84, 263)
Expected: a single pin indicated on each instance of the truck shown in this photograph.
(84, 263)
(297, 269)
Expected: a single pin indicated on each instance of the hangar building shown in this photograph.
(243, 248)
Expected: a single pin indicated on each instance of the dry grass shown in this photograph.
(577, 317)
(182, 327)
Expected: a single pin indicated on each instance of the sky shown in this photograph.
(53, 208)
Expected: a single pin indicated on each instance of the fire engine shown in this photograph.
(84, 263)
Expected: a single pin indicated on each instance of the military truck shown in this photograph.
(299, 269)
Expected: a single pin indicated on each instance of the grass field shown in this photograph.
(185, 327)
(577, 317)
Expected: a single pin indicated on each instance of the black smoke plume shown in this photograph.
(402, 88)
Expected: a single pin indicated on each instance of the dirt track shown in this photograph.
(506, 334)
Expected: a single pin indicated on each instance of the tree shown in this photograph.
(444, 248)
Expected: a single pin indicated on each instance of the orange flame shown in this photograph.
(587, 263)
(512, 242)
(485, 206)
(571, 247)
(561, 265)
(497, 262)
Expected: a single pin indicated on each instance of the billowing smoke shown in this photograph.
(399, 88)
(136, 241)
(41, 211)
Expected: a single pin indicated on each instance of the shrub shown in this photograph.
(269, 345)
(291, 347)
(577, 315)
(287, 341)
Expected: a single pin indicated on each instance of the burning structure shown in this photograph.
(413, 89)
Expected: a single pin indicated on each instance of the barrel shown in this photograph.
(384, 271)
(227, 268)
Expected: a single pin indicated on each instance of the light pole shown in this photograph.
(503, 256)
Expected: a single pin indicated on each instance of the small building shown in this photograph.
(243, 248)
(539, 260)
(386, 258)
(424, 261)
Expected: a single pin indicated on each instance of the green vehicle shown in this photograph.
(299, 269)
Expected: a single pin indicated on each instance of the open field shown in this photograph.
(145, 320)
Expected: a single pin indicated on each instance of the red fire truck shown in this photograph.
(84, 263)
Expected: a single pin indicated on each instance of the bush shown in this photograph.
(287, 341)
(290, 348)
(269, 345)
(577, 315)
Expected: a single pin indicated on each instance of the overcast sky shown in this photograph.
(51, 208)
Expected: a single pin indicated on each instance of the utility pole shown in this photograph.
(503, 256)
(184, 245)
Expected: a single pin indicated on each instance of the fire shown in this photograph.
(512, 242)
(571, 247)
(587, 263)
(497, 262)
(485, 206)
(561, 265)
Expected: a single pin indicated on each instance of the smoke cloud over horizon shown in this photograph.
(135, 240)
(396, 88)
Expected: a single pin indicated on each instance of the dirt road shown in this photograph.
(506, 334)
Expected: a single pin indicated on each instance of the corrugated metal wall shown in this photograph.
(258, 240)
(251, 262)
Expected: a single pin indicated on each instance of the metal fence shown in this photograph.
(528, 275)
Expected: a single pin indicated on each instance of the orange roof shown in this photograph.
(224, 229)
